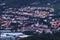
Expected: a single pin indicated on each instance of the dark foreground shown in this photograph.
(44, 37)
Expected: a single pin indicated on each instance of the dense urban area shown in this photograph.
(38, 18)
